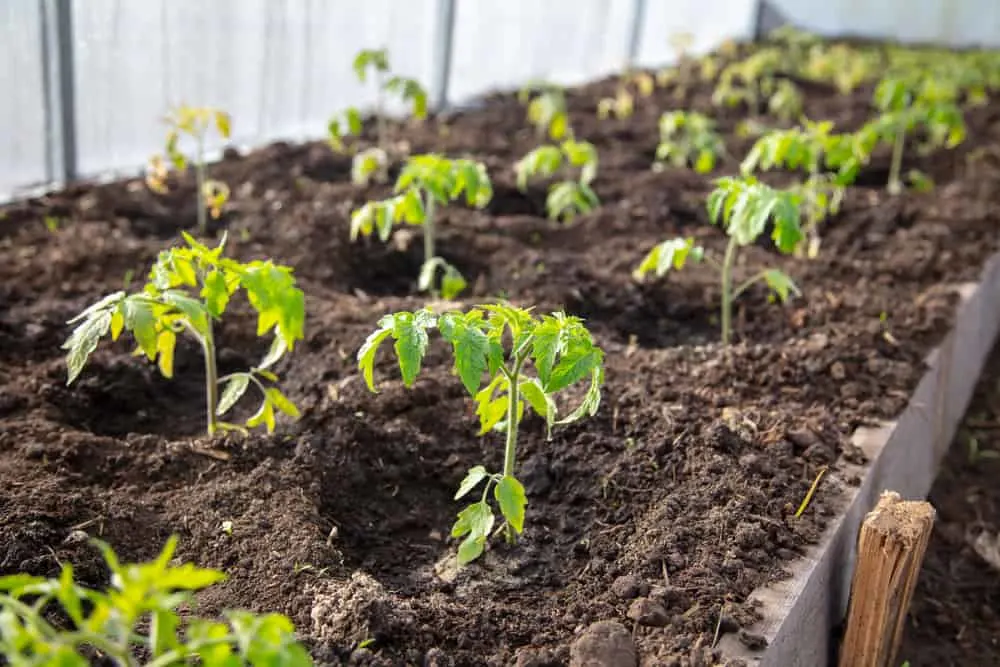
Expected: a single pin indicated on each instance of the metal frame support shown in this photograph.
(634, 37)
(444, 35)
(59, 93)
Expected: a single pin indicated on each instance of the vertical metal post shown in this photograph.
(444, 34)
(59, 94)
(634, 38)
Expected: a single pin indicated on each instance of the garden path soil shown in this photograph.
(954, 619)
(681, 489)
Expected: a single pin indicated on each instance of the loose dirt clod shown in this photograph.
(604, 644)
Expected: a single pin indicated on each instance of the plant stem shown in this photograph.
(379, 118)
(895, 186)
(510, 448)
(211, 378)
(199, 170)
(429, 229)
(727, 290)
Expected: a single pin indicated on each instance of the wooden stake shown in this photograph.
(891, 548)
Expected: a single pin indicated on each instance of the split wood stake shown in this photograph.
(891, 548)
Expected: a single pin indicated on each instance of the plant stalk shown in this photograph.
(199, 170)
(380, 129)
(727, 291)
(211, 378)
(429, 249)
(895, 186)
(510, 448)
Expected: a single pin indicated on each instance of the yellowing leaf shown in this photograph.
(165, 343)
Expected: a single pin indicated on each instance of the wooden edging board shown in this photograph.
(798, 613)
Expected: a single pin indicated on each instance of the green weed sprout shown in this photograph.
(570, 197)
(188, 289)
(743, 207)
(426, 182)
(195, 123)
(546, 110)
(373, 163)
(903, 111)
(502, 343)
(140, 614)
(804, 149)
(688, 137)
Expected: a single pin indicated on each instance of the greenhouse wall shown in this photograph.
(88, 81)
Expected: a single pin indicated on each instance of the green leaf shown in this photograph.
(577, 363)
(510, 495)
(215, 293)
(280, 401)
(83, 342)
(472, 479)
(542, 403)
(410, 334)
(194, 311)
(475, 520)
(235, 388)
(591, 400)
(670, 254)
(780, 284)
(470, 549)
(366, 355)
(274, 353)
(470, 346)
(490, 413)
(140, 321)
(264, 415)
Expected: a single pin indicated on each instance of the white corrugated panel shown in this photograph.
(946, 22)
(280, 67)
(22, 111)
(709, 22)
(504, 43)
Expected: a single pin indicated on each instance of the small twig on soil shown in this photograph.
(718, 625)
(216, 454)
(88, 523)
(809, 495)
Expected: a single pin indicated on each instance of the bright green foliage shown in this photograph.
(142, 612)
(569, 197)
(494, 347)
(805, 149)
(785, 102)
(904, 110)
(188, 289)
(373, 164)
(743, 207)
(427, 181)
(750, 81)
(546, 110)
(689, 138)
(195, 123)
(843, 66)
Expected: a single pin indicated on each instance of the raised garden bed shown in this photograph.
(682, 489)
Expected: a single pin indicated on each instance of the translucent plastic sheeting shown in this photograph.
(22, 109)
(280, 67)
(501, 44)
(945, 22)
(708, 22)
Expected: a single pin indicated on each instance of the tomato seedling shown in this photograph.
(373, 163)
(546, 110)
(902, 111)
(570, 197)
(689, 138)
(622, 105)
(743, 207)
(750, 81)
(502, 343)
(806, 148)
(187, 290)
(426, 182)
(194, 123)
(145, 612)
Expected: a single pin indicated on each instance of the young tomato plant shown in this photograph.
(903, 111)
(546, 110)
(145, 612)
(373, 163)
(188, 289)
(689, 138)
(750, 81)
(622, 105)
(504, 344)
(803, 149)
(743, 207)
(568, 198)
(785, 102)
(426, 182)
(194, 123)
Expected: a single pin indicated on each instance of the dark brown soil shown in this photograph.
(955, 616)
(682, 488)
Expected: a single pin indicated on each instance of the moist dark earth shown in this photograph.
(680, 492)
(954, 618)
